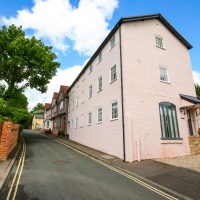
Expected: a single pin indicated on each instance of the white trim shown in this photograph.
(162, 41)
(167, 73)
(89, 124)
(99, 122)
(98, 90)
(111, 81)
(112, 119)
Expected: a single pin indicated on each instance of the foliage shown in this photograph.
(197, 88)
(38, 109)
(25, 62)
(18, 100)
(16, 115)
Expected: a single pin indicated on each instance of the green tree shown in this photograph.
(38, 109)
(197, 88)
(25, 62)
(18, 100)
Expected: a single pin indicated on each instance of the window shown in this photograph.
(72, 124)
(89, 118)
(61, 105)
(47, 124)
(168, 121)
(99, 117)
(90, 91)
(100, 57)
(159, 41)
(68, 107)
(90, 69)
(72, 105)
(77, 100)
(112, 42)
(113, 74)
(76, 123)
(114, 111)
(164, 74)
(100, 83)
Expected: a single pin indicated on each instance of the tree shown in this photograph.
(25, 62)
(38, 109)
(18, 100)
(197, 88)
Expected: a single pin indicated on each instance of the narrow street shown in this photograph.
(54, 171)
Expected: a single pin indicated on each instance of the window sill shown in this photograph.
(89, 124)
(99, 62)
(161, 48)
(99, 91)
(171, 140)
(165, 82)
(99, 122)
(114, 119)
(89, 97)
(113, 81)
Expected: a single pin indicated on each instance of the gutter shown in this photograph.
(122, 97)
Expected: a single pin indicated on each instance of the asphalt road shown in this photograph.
(54, 171)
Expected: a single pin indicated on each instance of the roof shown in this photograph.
(191, 99)
(47, 106)
(55, 95)
(39, 116)
(63, 88)
(127, 20)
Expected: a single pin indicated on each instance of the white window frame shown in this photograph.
(100, 57)
(112, 109)
(89, 118)
(61, 105)
(100, 84)
(164, 74)
(90, 91)
(159, 41)
(112, 42)
(77, 101)
(98, 112)
(112, 77)
(76, 122)
(71, 127)
(72, 105)
(90, 69)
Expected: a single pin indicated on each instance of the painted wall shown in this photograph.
(105, 136)
(143, 90)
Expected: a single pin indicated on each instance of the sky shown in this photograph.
(76, 28)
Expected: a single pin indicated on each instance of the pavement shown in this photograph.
(183, 183)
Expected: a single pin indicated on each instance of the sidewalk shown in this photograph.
(178, 181)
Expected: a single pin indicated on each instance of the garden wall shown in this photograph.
(8, 138)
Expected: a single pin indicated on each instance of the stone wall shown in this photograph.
(8, 139)
(194, 145)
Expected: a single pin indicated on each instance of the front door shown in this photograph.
(189, 122)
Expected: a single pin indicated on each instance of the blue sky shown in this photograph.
(75, 28)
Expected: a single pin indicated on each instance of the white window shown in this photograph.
(112, 42)
(77, 101)
(68, 107)
(61, 104)
(159, 41)
(72, 124)
(99, 115)
(90, 69)
(114, 110)
(113, 73)
(90, 91)
(76, 123)
(89, 118)
(72, 105)
(100, 57)
(100, 83)
(164, 74)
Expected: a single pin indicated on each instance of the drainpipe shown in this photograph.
(122, 98)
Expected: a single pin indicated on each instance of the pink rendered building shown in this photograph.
(135, 98)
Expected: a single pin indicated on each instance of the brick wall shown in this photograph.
(8, 139)
(194, 145)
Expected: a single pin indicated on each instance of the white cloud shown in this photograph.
(196, 76)
(58, 21)
(63, 77)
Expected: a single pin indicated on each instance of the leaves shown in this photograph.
(197, 88)
(25, 62)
